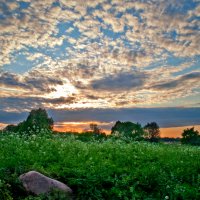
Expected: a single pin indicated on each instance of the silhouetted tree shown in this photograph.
(10, 128)
(39, 118)
(95, 129)
(128, 129)
(36, 121)
(190, 136)
(152, 131)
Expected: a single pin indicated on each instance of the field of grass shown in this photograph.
(107, 169)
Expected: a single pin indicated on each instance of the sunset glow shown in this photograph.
(101, 61)
(81, 126)
(173, 132)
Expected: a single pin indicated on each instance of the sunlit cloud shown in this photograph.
(99, 54)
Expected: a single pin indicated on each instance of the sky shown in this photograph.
(102, 61)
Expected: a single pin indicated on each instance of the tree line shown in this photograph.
(38, 121)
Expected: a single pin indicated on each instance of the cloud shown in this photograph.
(15, 104)
(33, 81)
(13, 6)
(92, 97)
(11, 80)
(165, 117)
(100, 51)
(62, 100)
(12, 117)
(122, 81)
(181, 81)
(42, 82)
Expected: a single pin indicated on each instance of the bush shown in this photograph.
(191, 136)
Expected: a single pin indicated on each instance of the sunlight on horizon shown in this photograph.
(84, 126)
(101, 55)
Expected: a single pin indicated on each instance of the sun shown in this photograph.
(64, 90)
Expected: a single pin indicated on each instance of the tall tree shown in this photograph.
(36, 121)
(39, 118)
(152, 131)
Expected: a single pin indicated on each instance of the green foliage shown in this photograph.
(128, 130)
(190, 136)
(39, 118)
(5, 194)
(52, 195)
(106, 169)
(152, 131)
(91, 136)
(36, 122)
(10, 128)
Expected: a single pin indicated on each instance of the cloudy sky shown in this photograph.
(101, 60)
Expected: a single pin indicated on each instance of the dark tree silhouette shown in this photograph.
(10, 128)
(36, 121)
(95, 129)
(190, 136)
(40, 119)
(128, 129)
(152, 131)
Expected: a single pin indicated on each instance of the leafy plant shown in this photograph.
(109, 168)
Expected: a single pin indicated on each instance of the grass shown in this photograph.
(106, 169)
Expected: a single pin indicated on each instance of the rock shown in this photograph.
(39, 184)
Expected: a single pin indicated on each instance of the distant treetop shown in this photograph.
(152, 131)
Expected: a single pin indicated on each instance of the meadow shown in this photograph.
(105, 168)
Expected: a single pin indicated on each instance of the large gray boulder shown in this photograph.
(37, 183)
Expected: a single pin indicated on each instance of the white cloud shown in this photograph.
(136, 34)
